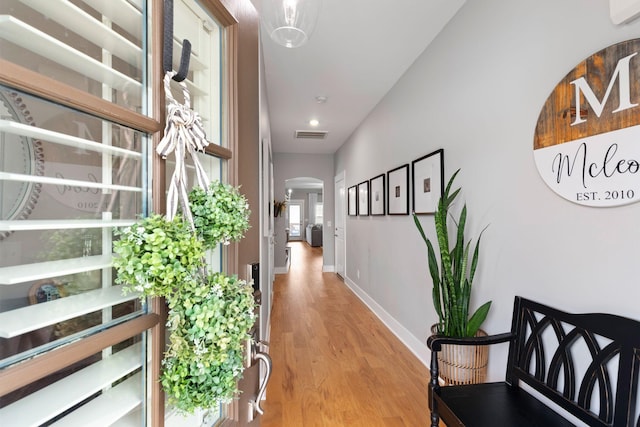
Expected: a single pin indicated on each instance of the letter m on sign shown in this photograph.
(620, 74)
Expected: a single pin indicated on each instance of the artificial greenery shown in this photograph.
(156, 255)
(279, 207)
(453, 279)
(220, 213)
(210, 315)
(209, 323)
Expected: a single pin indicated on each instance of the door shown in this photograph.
(295, 211)
(340, 216)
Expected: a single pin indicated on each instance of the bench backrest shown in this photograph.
(586, 363)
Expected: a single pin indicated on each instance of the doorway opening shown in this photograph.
(305, 210)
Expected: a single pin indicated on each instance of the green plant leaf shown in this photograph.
(477, 319)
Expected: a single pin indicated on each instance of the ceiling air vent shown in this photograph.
(311, 134)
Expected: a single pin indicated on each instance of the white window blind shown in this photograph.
(92, 45)
(67, 181)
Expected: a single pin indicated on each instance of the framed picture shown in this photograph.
(428, 182)
(377, 195)
(352, 201)
(398, 191)
(363, 198)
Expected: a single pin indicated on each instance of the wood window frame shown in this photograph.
(23, 374)
(30, 82)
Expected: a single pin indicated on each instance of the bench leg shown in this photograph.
(435, 419)
(434, 387)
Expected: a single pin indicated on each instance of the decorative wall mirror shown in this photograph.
(20, 157)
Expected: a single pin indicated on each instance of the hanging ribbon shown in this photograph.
(183, 133)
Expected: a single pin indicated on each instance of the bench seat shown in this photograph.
(475, 406)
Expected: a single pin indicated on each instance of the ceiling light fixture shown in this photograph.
(314, 122)
(290, 22)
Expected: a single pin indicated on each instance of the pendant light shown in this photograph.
(290, 22)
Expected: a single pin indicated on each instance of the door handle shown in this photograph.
(254, 405)
(263, 357)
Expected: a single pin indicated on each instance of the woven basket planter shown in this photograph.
(464, 364)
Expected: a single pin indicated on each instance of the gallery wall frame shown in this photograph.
(352, 201)
(398, 190)
(363, 198)
(377, 195)
(428, 182)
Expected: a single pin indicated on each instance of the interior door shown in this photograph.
(340, 219)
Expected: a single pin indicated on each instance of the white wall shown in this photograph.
(319, 166)
(477, 92)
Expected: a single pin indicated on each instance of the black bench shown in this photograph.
(587, 364)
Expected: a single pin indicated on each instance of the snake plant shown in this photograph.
(452, 279)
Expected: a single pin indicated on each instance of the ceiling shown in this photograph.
(304, 183)
(358, 51)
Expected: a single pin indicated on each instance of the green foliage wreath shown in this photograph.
(155, 255)
(210, 315)
(208, 323)
(220, 213)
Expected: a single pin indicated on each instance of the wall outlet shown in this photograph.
(358, 273)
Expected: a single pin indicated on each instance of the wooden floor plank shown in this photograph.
(334, 363)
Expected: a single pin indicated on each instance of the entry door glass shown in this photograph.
(193, 21)
(295, 220)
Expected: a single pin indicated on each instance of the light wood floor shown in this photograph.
(334, 363)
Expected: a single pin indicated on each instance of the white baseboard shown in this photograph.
(285, 270)
(417, 347)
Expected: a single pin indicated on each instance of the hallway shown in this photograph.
(334, 363)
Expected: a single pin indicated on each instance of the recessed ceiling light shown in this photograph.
(314, 122)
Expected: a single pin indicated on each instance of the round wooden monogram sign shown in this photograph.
(587, 139)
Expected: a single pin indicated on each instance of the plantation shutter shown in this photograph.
(72, 346)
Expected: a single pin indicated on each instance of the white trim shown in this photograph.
(31, 317)
(21, 273)
(21, 129)
(281, 270)
(40, 43)
(61, 395)
(418, 348)
(62, 224)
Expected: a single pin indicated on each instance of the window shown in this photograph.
(318, 213)
(204, 82)
(76, 161)
(72, 347)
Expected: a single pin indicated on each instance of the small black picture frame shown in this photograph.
(428, 182)
(363, 198)
(352, 200)
(377, 195)
(398, 190)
